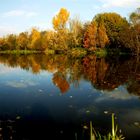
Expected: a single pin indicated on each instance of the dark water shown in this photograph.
(57, 96)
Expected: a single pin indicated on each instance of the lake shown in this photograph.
(57, 96)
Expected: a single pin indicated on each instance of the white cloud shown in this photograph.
(118, 94)
(119, 3)
(21, 84)
(19, 13)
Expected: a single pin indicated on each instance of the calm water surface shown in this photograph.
(57, 96)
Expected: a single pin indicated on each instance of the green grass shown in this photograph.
(77, 52)
(110, 136)
(49, 51)
(19, 52)
(101, 53)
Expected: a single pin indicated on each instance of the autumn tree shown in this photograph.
(135, 17)
(61, 34)
(135, 29)
(48, 40)
(95, 36)
(130, 36)
(75, 32)
(59, 21)
(23, 40)
(3, 45)
(35, 39)
(114, 24)
(90, 36)
(102, 38)
(11, 41)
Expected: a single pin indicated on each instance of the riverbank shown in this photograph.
(74, 52)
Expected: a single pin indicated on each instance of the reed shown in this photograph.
(114, 135)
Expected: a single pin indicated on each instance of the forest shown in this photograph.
(106, 31)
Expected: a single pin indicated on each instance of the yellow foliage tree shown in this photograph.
(61, 36)
(59, 21)
(35, 39)
(22, 40)
(76, 32)
(48, 40)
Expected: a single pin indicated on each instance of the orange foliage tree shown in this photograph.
(90, 36)
(95, 36)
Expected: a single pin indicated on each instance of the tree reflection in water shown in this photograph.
(103, 73)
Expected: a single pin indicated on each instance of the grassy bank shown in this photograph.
(77, 52)
(74, 52)
(101, 53)
(19, 52)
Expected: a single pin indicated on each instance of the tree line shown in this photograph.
(106, 30)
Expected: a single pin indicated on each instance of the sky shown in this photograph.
(21, 15)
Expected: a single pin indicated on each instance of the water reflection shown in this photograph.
(59, 94)
(103, 73)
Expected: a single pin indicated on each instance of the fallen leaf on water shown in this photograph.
(18, 117)
(87, 111)
(105, 112)
(85, 127)
(40, 90)
(137, 124)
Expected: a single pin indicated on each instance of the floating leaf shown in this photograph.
(18, 117)
(105, 112)
(87, 111)
(137, 124)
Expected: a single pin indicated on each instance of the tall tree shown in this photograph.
(90, 36)
(102, 38)
(75, 32)
(61, 34)
(59, 21)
